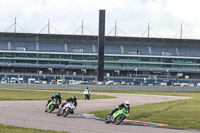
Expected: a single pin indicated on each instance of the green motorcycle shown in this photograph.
(117, 117)
(54, 104)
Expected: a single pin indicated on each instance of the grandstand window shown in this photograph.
(9, 55)
(43, 62)
(110, 58)
(21, 55)
(87, 63)
(131, 65)
(65, 62)
(31, 61)
(123, 59)
(53, 62)
(190, 67)
(167, 60)
(133, 59)
(144, 65)
(43, 56)
(89, 57)
(55, 56)
(189, 61)
(7, 61)
(75, 63)
(177, 60)
(109, 64)
(177, 66)
(197, 61)
(166, 66)
(77, 57)
(31, 55)
(20, 61)
(145, 59)
(156, 66)
(1, 54)
(66, 56)
(155, 59)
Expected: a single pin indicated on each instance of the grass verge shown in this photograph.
(177, 114)
(13, 129)
(40, 95)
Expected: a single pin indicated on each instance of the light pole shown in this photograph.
(136, 72)
(167, 74)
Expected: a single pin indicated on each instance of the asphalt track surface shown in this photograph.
(31, 114)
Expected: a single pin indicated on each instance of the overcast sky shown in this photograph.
(164, 16)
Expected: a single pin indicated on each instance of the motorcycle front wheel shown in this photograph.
(59, 112)
(66, 112)
(107, 121)
(119, 119)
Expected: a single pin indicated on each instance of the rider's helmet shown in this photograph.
(58, 94)
(126, 103)
(74, 97)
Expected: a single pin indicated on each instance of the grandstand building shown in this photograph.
(78, 55)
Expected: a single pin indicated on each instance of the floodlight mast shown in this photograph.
(15, 25)
(101, 40)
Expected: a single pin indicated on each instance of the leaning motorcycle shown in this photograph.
(66, 109)
(117, 117)
(54, 104)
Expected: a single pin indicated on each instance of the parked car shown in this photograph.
(116, 83)
(198, 84)
(59, 81)
(53, 81)
(110, 82)
(31, 81)
(134, 83)
(4, 81)
(20, 80)
(94, 82)
(12, 80)
(185, 84)
(37, 82)
(177, 84)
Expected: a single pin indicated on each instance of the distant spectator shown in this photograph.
(87, 94)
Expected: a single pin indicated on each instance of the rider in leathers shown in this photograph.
(57, 96)
(73, 100)
(125, 105)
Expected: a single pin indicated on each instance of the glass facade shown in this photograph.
(114, 60)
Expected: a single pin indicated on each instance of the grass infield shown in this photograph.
(40, 95)
(13, 129)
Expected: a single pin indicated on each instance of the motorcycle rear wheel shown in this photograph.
(107, 120)
(51, 108)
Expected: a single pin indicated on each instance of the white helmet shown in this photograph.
(126, 103)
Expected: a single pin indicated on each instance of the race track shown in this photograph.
(31, 114)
